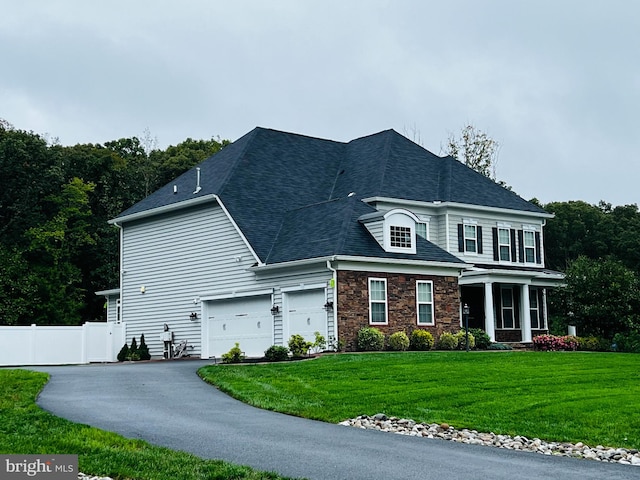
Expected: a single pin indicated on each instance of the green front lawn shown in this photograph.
(27, 429)
(561, 396)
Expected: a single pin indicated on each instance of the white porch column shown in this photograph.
(489, 316)
(526, 314)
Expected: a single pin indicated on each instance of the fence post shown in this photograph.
(32, 344)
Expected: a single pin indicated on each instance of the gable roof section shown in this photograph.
(286, 191)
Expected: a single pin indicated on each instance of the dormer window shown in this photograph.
(400, 236)
(394, 230)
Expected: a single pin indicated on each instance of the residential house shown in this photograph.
(281, 234)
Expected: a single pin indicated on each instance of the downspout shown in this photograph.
(334, 281)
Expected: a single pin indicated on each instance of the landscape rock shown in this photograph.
(444, 431)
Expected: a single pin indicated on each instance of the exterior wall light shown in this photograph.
(275, 310)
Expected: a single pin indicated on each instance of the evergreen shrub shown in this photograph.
(481, 338)
(143, 349)
(447, 341)
(627, 342)
(399, 342)
(370, 339)
(461, 337)
(123, 354)
(421, 340)
(298, 346)
(234, 355)
(276, 353)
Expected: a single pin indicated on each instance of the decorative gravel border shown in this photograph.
(403, 426)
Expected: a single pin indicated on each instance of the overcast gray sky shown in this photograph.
(556, 83)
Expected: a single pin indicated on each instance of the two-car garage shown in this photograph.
(248, 320)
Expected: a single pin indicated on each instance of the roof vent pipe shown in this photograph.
(198, 188)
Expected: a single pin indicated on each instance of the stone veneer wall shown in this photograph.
(353, 304)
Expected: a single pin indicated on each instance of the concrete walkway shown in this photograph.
(167, 404)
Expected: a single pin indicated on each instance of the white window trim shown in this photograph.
(500, 259)
(424, 220)
(418, 303)
(534, 292)
(475, 237)
(503, 308)
(525, 247)
(386, 301)
(399, 218)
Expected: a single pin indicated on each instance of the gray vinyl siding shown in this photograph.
(180, 257)
(487, 224)
(177, 258)
(112, 308)
(377, 230)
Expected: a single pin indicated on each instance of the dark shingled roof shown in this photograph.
(288, 193)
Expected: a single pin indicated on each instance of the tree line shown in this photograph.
(57, 249)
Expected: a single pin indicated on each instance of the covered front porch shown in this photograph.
(510, 305)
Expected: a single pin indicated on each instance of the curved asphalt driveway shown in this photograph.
(167, 404)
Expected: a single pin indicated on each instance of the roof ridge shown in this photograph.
(344, 229)
(385, 157)
(252, 135)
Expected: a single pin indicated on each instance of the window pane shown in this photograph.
(470, 231)
(529, 238)
(530, 256)
(503, 236)
(421, 229)
(378, 313)
(424, 314)
(533, 298)
(400, 237)
(505, 253)
(507, 299)
(378, 291)
(507, 318)
(534, 319)
(424, 292)
(469, 245)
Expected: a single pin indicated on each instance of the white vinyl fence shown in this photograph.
(57, 345)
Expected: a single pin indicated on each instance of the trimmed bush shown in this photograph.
(234, 355)
(399, 342)
(123, 354)
(421, 340)
(555, 343)
(447, 341)
(143, 350)
(499, 346)
(298, 346)
(481, 338)
(276, 353)
(461, 336)
(627, 342)
(593, 344)
(370, 339)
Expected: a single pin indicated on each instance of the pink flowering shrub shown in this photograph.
(555, 343)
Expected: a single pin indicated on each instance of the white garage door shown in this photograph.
(246, 320)
(305, 313)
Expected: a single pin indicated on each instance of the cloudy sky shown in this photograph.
(556, 83)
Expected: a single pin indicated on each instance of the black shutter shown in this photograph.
(460, 238)
(479, 237)
(538, 256)
(521, 245)
(494, 233)
(514, 248)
